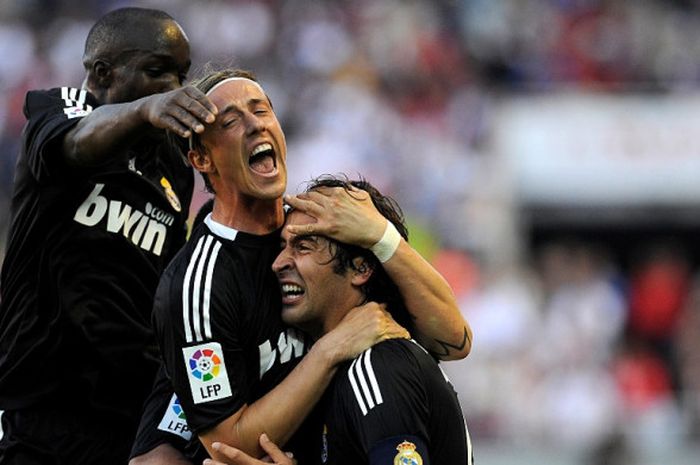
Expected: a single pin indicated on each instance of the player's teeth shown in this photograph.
(291, 288)
(261, 148)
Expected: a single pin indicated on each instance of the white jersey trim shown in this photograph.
(195, 298)
(364, 382)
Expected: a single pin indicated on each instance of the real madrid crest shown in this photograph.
(407, 454)
(170, 194)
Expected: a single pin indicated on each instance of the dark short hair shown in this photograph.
(205, 83)
(111, 31)
(380, 287)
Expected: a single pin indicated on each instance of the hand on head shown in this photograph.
(346, 215)
(182, 111)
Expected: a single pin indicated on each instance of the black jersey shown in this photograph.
(163, 421)
(393, 404)
(217, 316)
(85, 251)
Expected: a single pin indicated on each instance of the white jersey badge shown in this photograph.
(207, 372)
(174, 420)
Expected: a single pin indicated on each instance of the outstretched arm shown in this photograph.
(113, 127)
(351, 217)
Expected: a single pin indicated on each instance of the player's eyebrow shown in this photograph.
(314, 238)
(232, 107)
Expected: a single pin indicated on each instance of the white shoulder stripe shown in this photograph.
(364, 383)
(74, 100)
(207, 289)
(64, 96)
(373, 379)
(197, 290)
(195, 298)
(355, 389)
(186, 290)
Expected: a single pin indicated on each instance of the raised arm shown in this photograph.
(351, 217)
(113, 127)
(280, 412)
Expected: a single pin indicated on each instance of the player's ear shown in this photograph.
(200, 159)
(361, 271)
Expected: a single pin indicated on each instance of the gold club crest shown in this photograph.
(407, 454)
(170, 194)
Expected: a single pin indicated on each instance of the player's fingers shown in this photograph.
(176, 126)
(187, 119)
(308, 229)
(276, 454)
(233, 456)
(207, 106)
(303, 203)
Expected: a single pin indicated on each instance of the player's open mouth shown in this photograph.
(291, 293)
(262, 160)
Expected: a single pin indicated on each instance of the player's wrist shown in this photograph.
(385, 247)
(326, 350)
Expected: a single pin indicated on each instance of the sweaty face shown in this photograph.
(246, 143)
(314, 297)
(153, 60)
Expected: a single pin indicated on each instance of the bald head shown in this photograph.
(135, 52)
(128, 29)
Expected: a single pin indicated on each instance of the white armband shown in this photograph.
(387, 245)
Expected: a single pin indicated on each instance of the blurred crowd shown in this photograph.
(570, 349)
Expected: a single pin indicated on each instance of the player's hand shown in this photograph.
(238, 457)
(347, 216)
(183, 111)
(361, 328)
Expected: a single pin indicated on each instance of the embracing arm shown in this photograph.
(280, 412)
(235, 456)
(439, 322)
(163, 454)
(113, 127)
(351, 217)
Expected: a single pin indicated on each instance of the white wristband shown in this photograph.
(387, 245)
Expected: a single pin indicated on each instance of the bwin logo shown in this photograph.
(159, 215)
(145, 230)
(290, 344)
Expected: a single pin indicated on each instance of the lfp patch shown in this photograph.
(174, 420)
(207, 372)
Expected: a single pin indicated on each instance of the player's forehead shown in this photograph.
(295, 217)
(238, 91)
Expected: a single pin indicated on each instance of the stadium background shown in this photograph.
(546, 153)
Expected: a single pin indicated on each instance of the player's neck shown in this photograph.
(253, 216)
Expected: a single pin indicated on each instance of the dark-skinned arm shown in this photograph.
(111, 128)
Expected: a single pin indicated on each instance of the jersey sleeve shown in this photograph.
(163, 420)
(385, 401)
(201, 335)
(50, 114)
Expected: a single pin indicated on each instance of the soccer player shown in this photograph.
(392, 404)
(98, 210)
(233, 363)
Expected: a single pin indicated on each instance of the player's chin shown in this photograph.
(292, 314)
